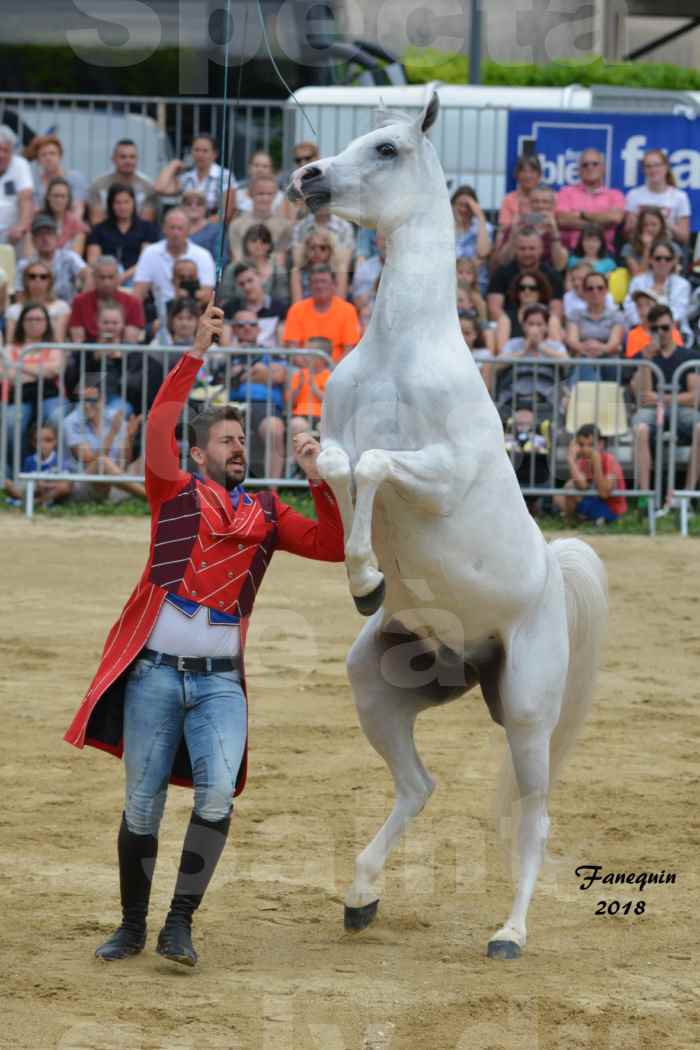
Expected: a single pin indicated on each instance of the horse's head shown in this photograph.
(381, 178)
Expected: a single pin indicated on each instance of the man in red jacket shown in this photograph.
(169, 693)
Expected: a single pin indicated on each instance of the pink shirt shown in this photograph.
(578, 198)
(510, 208)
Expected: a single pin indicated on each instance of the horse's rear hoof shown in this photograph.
(369, 603)
(503, 950)
(360, 918)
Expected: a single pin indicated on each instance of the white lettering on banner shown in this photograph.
(561, 170)
(631, 155)
(686, 168)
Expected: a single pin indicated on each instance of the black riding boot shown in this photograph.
(204, 843)
(137, 859)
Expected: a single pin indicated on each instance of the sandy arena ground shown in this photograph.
(277, 971)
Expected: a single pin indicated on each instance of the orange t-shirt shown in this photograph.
(638, 337)
(339, 324)
(302, 397)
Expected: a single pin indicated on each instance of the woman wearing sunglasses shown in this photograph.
(668, 286)
(37, 287)
(595, 332)
(319, 246)
(525, 290)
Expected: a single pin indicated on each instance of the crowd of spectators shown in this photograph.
(586, 273)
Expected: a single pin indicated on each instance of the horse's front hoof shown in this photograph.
(503, 950)
(360, 918)
(369, 603)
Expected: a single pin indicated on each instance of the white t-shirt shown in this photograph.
(156, 267)
(57, 309)
(14, 180)
(209, 185)
(674, 203)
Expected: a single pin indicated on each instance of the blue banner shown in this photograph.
(558, 137)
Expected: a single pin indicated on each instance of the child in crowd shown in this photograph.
(591, 466)
(592, 248)
(307, 386)
(44, 460)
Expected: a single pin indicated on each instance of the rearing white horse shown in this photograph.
(441, 551)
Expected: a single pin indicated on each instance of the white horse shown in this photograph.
(441, 551)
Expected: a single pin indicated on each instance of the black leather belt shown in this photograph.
(201, 664)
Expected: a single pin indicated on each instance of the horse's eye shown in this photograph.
(386, 149)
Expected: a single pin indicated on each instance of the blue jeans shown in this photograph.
(160, 705)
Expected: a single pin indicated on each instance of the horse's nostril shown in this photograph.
(311, 173)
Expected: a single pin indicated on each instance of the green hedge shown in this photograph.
(424, 64)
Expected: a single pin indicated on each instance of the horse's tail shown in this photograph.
(585, 588)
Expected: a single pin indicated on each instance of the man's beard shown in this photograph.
(224, 476)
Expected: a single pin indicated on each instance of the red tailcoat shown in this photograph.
(201, 549)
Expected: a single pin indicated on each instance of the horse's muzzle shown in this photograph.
(311, 186)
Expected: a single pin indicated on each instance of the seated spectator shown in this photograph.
(529, 389)
(44, 460)
(639, 337)
(542, 219)
(595, 332)
(115, 372)
(343, 234)
(83, 316)
(365, 245)
(100, 442)
(528, 173)
(251, 296)
(650, 226)
(38, 378)
(472, 232)
(258, 252)
(125, 160)
(667, 356)
(258, 381)
(303, 153)
(468, 279)
(58, 204)
(46, 151)
(573, 298)
(480, 342)
(186, 283)
(367, 273)
(260, 165)
(204, 175)
(37, 287)
(592, 248)
(318, 248)
(16, 193)
(660, 191)
(209, 235)
(525, 290)
(590, 202)
(323, 315)
(123, 235)
(670, 287)
(154, 270)
(307, 385)
(70, 273)
(590, 466)
(528, 257)
(262, 193)
(179, 332)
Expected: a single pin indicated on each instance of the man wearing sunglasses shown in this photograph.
(590, 202)
(654, 402)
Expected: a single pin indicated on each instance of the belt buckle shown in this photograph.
(181, 663)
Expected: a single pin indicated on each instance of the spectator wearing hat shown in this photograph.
(639, 337)
(125, 159)
(590, 202)
(70, 272)
(16, 191)
(46, 151)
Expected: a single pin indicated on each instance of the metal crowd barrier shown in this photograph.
(679, 454)
(541, 461)
(128, 387)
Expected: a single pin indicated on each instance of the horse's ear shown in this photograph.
(430, 112)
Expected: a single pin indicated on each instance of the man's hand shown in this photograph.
(211, 324)
(306, 450)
